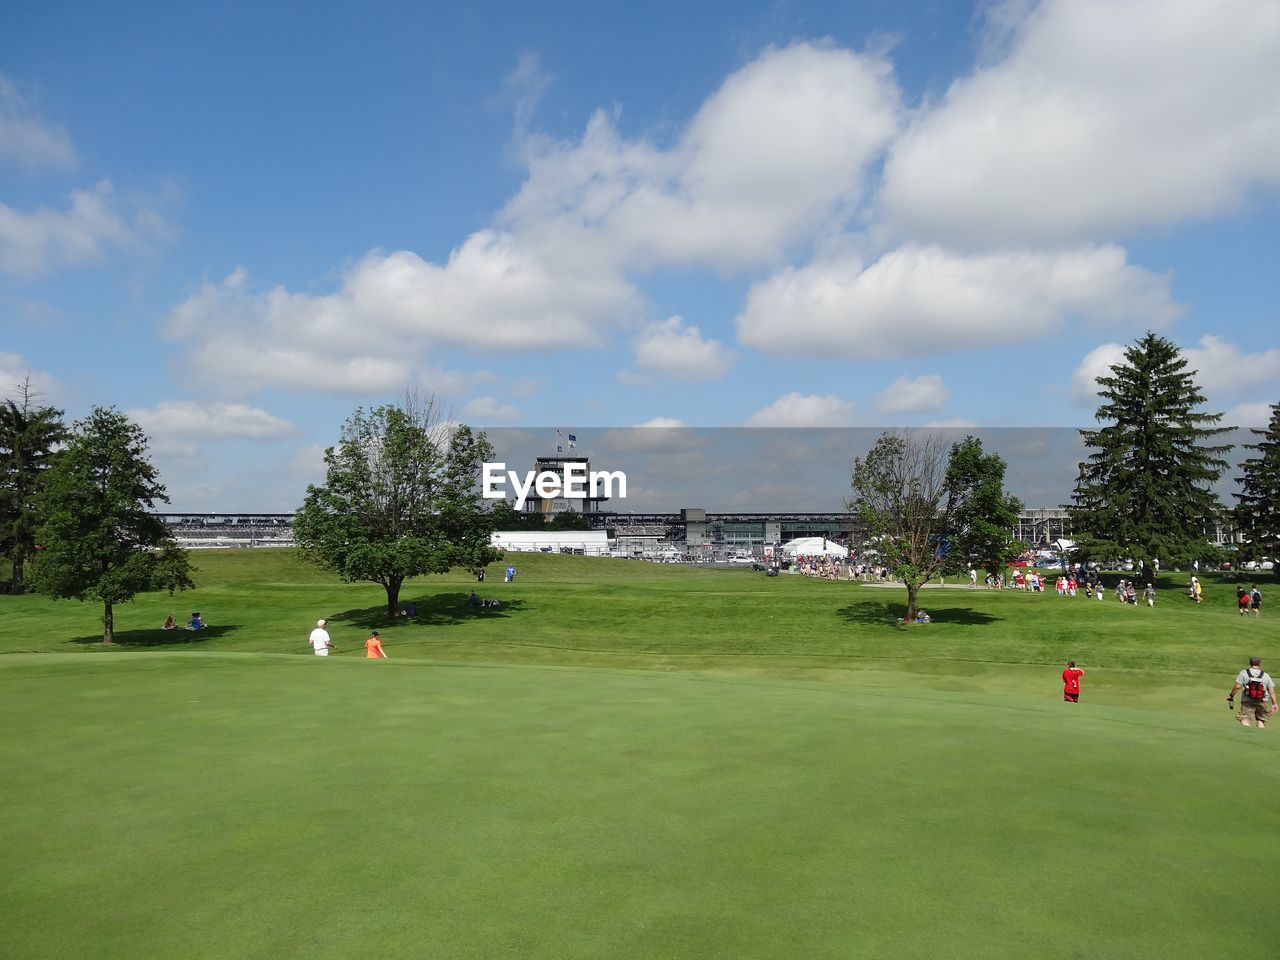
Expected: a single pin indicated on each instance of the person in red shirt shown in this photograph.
(1071, 682)
(374, 647)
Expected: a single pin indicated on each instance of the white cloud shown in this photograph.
(244, 363)
(215, 421)
(493, 294)
(670, 348)
(920, 300)
(922, 394)
(660, 423)
(629, 378)
(14, 371)
(779, 150)
(1220, 369)
(32, 243)
(1105, 116)
(804, 410)
(1096, 363)
(26, 140)
(1224, 368)
(177, 429)
(488, 409)
(1252, 415)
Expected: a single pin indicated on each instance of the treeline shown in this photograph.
(1145, 491)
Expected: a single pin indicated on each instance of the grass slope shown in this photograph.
(260, 806)
(620, 613)
(629, 760)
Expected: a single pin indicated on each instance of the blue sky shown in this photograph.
(238, 222)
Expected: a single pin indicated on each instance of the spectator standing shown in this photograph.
(1071, 682)
(1149, 594)
(1258, 700)
(1242, 601)
(373, 647)
(319, 640)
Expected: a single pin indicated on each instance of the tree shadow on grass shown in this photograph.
(160, 638)
(890, 613)
(437, 610)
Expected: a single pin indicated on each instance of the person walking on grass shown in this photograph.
(1259, 697)
(319, 640)
(373, 647)
(1149, 594)
(1071, 682)
(1255, 601)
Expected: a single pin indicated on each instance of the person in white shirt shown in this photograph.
(319, 640)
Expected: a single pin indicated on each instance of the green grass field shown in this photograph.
(631, 760)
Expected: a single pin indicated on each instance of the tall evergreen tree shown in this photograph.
(1257, 510)
(101, 539)
(1145, 491)
(30, 435)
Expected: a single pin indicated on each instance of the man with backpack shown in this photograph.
(1259, 697)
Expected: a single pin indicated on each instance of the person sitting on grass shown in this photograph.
(922, 617)
(169, 624)
(474, 599)
(196, 622)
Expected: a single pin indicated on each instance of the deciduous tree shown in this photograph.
(400, 499)
(985, 514)
(919, 500)
(101, 539)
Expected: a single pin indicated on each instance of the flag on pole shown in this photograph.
(559, 449)
(573, 441)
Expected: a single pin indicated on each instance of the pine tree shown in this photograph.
(1258, 502)
(1145, 491)
(101, 539)
(30, 436)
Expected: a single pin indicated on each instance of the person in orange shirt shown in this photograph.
(374, 647)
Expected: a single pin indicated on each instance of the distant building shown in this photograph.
(550, 506)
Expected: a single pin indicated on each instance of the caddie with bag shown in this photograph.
(1258, 699)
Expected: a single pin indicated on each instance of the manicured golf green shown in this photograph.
(628, 760)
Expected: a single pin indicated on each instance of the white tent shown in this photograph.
(813, 547)
(592, 543)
